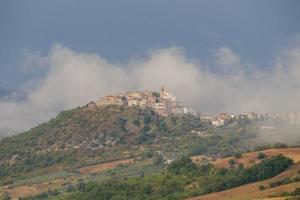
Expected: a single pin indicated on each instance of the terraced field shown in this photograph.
(30, 190)
(129, 168)
(103, 166)
(59, 180)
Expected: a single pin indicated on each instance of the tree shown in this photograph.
(169, 186)
(158, 159)
(147, 119)
(156, 94)
(70, 187)
(261, 155)
(261, 187)
(231, 163)
(237, 155)
(6, 196)
(183, 165)
(136, 122)
(146, 128)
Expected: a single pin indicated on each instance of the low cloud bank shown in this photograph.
(225, 83)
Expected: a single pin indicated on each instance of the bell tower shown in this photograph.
(162, 92)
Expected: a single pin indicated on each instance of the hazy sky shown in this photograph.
(125, 29)
(215, 55)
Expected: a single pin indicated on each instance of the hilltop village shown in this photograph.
(165, 104)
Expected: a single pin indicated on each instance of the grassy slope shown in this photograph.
(122, 126)
(249, 159)
(32, 188)
(252, 191)
(99, 135)
(169, 135)
(238, 193)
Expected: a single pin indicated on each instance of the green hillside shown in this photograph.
(85, 136)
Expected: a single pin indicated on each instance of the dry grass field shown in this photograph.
(252, 191)
(34, 189)
(246, 192)
(249, 159)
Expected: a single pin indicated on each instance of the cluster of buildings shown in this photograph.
(225, 118)
(163, 103)
(293, 117)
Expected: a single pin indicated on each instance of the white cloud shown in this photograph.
(226, 61)
(75, 78)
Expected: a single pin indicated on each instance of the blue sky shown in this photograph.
(119, 30)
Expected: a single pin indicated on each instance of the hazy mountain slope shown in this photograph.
(81, 133)
(93, 135)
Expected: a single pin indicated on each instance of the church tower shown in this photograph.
(162, 92)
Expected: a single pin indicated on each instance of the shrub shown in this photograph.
(237, 155)
(70, 187)
(147, 119)
(231, 162)
(296, 191)
(148, 153)
(183, 165)
(261, 187)
(158, 160)
(136, 122)
(261, 155)
(156, 94)
(146, 128)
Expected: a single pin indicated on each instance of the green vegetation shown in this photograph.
(226, 141)
(261, 155)
(237, 155)
(295, 195)
(261, 187)
(103, 133)
(182, 179)
(81, 136)
(43, 196)
(156, 94)
(284, 181)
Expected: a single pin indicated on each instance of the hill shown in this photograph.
(31, 188)
(282, 184)
(83, 136)
(90, 135)
(252, 191)
(181, 179)
(112, 139)
(251, 158)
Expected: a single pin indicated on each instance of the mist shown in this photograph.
(279, 130)
(226, 82)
